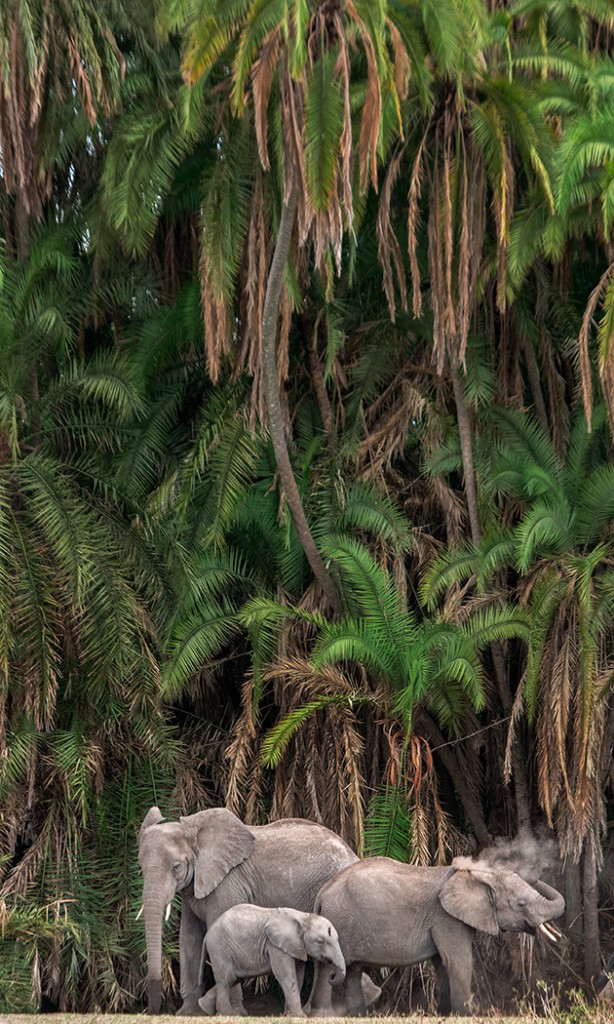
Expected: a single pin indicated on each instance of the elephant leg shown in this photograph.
(320, 1001)
(224, 986)
(457, 960)
(191, 934)
(444, 1007)
(236, 999)
(283, 967)
(300, 966)
(355, 1003)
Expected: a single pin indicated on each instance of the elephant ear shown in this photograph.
(285, 931)
(221, 842)
(469, 896)
(153, 817)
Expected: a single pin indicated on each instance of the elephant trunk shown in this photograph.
(153, 911)
(553, 904)
(337, 973)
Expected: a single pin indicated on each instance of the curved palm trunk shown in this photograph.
(272, 399)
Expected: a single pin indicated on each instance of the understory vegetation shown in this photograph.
(306, 466)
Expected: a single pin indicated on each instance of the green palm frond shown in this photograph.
(367, 509)
(496, 624)
(387, 825)
(496, 552)
(196, 640)
(227, 186)
(546, 528)
(364, 642)
(231, 464)
(323, 130)
(452, 566)
(369, 591)
(587, 145)
(276, 741)
(595, 507)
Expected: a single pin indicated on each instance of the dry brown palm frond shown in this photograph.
(388, 248)
(388, 420)
(263, 73)
(413, 223)
(342, 69)
(559, 682)
(436, 267)
(450, 325)
(245, 773)
(321, 773)
(216, 321)
(200, 779)
(372, 107)
(585, 364)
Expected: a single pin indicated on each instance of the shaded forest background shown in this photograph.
(306, 477)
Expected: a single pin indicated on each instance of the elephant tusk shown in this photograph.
(139, 913)
(550, 931)
(168, 912)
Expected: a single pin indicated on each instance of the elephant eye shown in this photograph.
(176, 866)
(522, 903)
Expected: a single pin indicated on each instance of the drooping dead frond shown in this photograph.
(263, 73)
(388, 248)
(388, 421)
(585, 363)
(216, 320)
(372, 107)
(413, 223)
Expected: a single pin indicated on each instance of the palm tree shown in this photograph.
(305, 61)
(61, 61)
(560, 549)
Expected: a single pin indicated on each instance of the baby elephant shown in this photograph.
(247, 941)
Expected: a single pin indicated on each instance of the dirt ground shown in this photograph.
(135, 1018)
(595, 1017)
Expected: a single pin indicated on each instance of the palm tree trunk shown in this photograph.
(462, 789)
(464, 430)
(273, 402)
(590, 892)
(535, 383)
(22, 242)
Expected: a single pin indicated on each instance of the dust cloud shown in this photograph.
(531, 858)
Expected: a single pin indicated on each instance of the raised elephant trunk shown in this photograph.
(553, 903)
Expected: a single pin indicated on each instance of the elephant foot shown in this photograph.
(322, 1011)
(190, 1008)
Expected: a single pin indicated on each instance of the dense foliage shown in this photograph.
(306, 419)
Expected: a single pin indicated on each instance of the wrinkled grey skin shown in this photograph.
(215, 862)
(392, 915)
(248, 941)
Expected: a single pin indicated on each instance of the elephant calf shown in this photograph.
(247, 941)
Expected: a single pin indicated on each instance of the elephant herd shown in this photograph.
(260, 898)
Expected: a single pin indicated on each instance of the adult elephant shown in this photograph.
(215, 862)
(389, 914)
